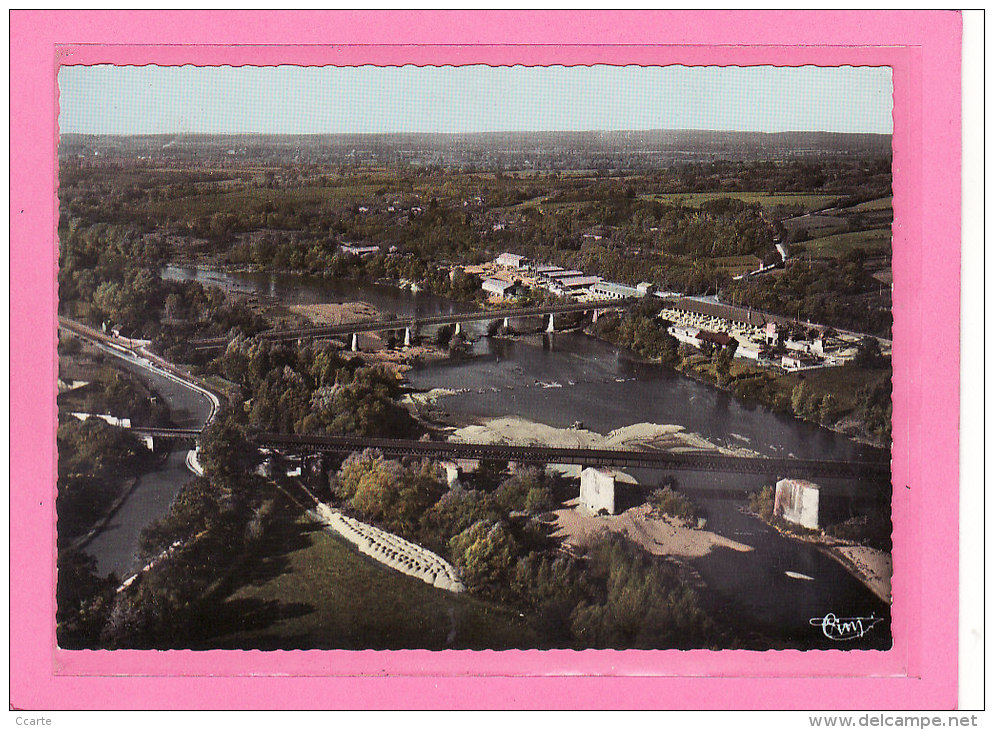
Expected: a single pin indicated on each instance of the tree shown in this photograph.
(225, 452)
(82, 600)
(356, 467)
(421, 485)
(514, 492)
(444, 335)
(485, 553)
(868, 353)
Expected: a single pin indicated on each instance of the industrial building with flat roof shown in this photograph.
(500, 289)
(610, 290)
(578, 282)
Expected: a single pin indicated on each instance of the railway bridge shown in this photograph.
(665, 460)
(871, 472)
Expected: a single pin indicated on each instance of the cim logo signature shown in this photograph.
(845, 629)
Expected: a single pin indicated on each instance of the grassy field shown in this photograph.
(842, 383)
(838, 245)
(310, 589)
(878, 204)
(807, 201)
(734, 265)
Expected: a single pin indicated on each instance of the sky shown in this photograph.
(313, 100)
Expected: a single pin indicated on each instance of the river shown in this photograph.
(562, 378)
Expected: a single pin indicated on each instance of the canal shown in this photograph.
(116, 546)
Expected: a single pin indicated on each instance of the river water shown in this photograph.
(562, 378)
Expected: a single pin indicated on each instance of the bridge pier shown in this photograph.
(355, 342)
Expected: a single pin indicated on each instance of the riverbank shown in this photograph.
(828, 390)
(873, 568)
(870, 566)
(336, 313)
(663, 536)
(648, 436)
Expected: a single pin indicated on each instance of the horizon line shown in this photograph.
(479, 132)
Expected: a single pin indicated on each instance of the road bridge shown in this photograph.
(171, 434)
(700, 462)
(413, 323)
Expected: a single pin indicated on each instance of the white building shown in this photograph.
(747, 349)
(499, 288)
(796, 500)
(597, 489)
(355, 250)
(610, 290)
(511, 261)
(772, 336)
(800, 362)
(687, 335)
(573, 284)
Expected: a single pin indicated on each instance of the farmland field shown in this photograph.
(258, 200)
(733, 265)
(878, 204)
(312, 590)
(806, 201)
(838, 245)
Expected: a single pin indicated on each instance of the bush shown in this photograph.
(512, 494)
(399, 497)
(761, 502)
(870, 531)
(539, 499)
(666, 501)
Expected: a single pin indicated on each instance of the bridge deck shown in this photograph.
(399, 323)
(700, 462)
(704, 462)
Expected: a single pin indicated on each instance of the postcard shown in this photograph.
(509, 363)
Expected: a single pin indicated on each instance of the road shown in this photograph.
(141, 359)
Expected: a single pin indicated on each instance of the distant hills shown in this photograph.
(553, 150)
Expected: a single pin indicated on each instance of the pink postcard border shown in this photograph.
(919, 672)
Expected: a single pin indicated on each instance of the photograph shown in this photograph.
(473, 356)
